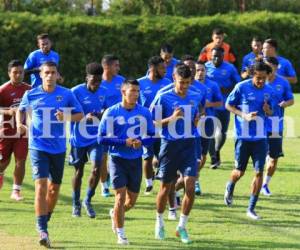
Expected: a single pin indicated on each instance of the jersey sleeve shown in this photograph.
(30, 62)
(24, 104)
(74, 103)
(288, 94)
(235, 77)
(289, 70)
(244, 64)
(234, 97)
(150, 125)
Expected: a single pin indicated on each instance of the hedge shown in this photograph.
(134, 39)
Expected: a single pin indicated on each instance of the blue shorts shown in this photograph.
(178, 155)
(125, 173)
(46, 165)
(152, 150)
(105, 149)
(275, 146)
(80, 155)
(257, 150)
(198, 148)
(205, 142)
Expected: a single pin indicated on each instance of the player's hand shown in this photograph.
(197, 119)
(59, 115)
(21, 129)
(177, 113)
(89, 117)
(266, 108)
(129, 142)
(12, 111)
(136, 143)
(250, 116)
(282, 104)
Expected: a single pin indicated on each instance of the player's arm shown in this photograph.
(20, 116)
(62, 116)
(292, 79)
(11, 111)
(246, 116)
(285, 104)
(214, 104)
(172, 118)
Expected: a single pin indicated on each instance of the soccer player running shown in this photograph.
(285, 67)
(125, 127)
(149, 85)
(176, 112)
(11, 94)
(214, 99)
(166, 53)
(83, 137)
(226, 75)
(251, 101)
(283, 98)
(252, 57)
(50, 106)
(40, 56)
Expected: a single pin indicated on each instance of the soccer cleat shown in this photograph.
(228, 198)
(113, 225)
(122, 240)
(148, 190)
(44, 240)
(265, 190)
(105, 192)
(89, 209)
(182, 233)
(1, 180)
(159, 232)
(172, 215)
(197, 189)
(15, 195)
(253, 215)
(76, 211)
(215, 161)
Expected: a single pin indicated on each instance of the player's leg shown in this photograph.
(6, 149)
(104, 177)
(172, 202)
(148, 172)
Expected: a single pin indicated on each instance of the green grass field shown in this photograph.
(211, 224)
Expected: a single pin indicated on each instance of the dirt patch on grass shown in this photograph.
(9, 242)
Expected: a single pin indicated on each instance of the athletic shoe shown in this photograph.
(172, 215)
(76, 211)
(215, 161)
(15, 195)
(113, 225)
(44, 240)
(105, 192)
(197, 189)
(159, 232)
(182, 233)
(1, 180)
(89, 209)
(265, 190)
(148, 190)
(122, 240)
(253, 215)
(228, 198)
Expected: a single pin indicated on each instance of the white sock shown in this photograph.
(149, 182)
(104, 185)
(182, 220)
(172, 208)
(120, 232)
(267, 179)
(160, 219)
(16, 187)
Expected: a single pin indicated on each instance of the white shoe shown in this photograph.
(172, 215)
(265, 190)
(253, 215)
(159, 232)
(15, 195)
(122, 240)
(113, 225)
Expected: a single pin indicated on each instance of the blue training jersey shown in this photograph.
(213, 94)
(148, 89)
(170, 68)
(226, 76)
(84, 133)
(35, 60)
(121, 123)
(248, 98)
(113, 90)
(46, 132)
(285, 67)
(248, 61)
(164, 106)
(282, 92)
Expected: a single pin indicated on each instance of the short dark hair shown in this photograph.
(183, 70)
(49, 64)
(218, 49)
(218, 31)
(256, 39)
(14, 63)
(42, 36)
(94, 68)
(167, 48)
(272, 60)
(261, 66)
(272, 42)
(109, 59)
(187, 58)
(131, 81)
(155, 61)
(200, 63)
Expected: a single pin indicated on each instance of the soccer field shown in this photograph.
(211, 224)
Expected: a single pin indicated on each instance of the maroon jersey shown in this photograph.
(10, 96)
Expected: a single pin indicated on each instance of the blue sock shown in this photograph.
(76, 198)
(49, 216)
(89, 194)
(41, 222)
(252, 202)
(230, 186)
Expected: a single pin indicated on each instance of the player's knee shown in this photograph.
(96, 172)
(259, 174)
